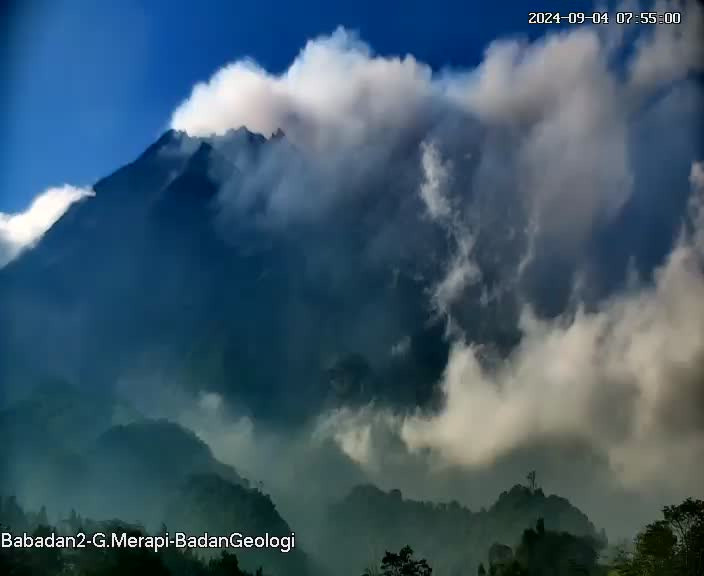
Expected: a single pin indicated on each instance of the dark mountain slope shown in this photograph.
(44, 438)
(141, 466)
(155, 274)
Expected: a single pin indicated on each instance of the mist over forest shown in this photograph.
(379, 305)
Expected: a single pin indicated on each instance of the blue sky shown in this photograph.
(87, 85)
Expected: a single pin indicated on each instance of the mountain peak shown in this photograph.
(240, 134)
(168, 138)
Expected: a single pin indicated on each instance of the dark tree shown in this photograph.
(92, 561)
(402, 564)
(531, 478)
(673, 546)
(500, 556)
(227, 565)
(545, 553)
(687, 524)
(540, 526)
(45, 561)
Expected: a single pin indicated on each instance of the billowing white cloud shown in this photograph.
(24, 229)
(335, 92)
